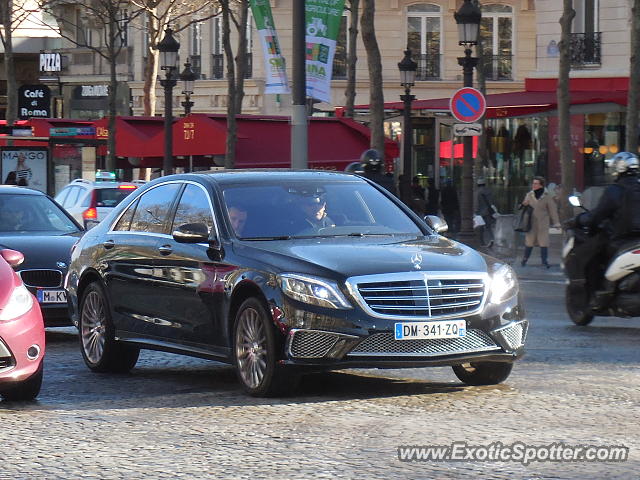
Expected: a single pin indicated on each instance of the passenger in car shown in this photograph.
(238, 217)
(315, 213)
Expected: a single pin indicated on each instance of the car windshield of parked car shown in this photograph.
(313, 208)
(32, 213)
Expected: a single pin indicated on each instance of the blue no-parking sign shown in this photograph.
(468, 105)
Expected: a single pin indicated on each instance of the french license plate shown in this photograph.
(425, 330)
(51, 296)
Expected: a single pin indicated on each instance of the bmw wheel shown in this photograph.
(100, 350)
(483, 373)
(254, 349)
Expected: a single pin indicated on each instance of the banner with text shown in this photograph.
(274, 65)
(323, 25)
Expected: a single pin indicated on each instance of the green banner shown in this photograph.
(323, 19)
(274, 65)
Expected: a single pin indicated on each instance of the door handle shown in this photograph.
(165, 249)
(109, 244)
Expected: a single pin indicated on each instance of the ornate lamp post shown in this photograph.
(468, 20)
(407, 69)
(168, 48)
(187, 76)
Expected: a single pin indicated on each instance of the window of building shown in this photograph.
(195, 47)
(342, 49)
(424, 38)
(496, 35)
(585, 39)
(123, 26)
(217, 52)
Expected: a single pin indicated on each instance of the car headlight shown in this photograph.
(504, 283)
(312, 290)
(20, 302)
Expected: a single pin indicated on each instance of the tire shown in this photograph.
(483, 373)
(577, 310)
(100, 350)
(27, 389)
(255, 353)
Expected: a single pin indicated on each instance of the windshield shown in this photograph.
(110, 197)
(312, 208)
(32, 213)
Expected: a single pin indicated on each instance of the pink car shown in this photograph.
(22, 344)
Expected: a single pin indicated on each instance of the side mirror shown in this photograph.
(12, 257)
(435, 222)
(575, 201)
(191, 233)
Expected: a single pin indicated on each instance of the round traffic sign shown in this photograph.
(468, 105)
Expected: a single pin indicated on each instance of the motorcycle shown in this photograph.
(597, 286)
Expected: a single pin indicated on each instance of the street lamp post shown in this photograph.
(168, 48)
(407, 69)
(468, 19)
(188, 77)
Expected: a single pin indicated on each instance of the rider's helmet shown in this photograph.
(371, 161)
(625, 163)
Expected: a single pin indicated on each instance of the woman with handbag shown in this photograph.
(544, 213)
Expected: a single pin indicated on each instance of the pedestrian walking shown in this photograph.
(418, 200)
(545, 214)
(485, 208)
(433, 198)
(450, 207)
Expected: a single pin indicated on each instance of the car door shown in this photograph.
(129, 252)
(193, 291)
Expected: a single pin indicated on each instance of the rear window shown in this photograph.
(110, 197)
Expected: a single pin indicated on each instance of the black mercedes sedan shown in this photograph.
(282, 272)
(35, 225)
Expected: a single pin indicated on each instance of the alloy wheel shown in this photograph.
(251, 348)
(93, 327)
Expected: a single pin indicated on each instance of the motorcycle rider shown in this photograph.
(618, 211)
(371, 162)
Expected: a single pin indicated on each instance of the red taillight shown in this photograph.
(127, 187)
(90, 213)
(637, 252)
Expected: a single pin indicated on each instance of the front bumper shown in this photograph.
(22, 346)
(316, 347)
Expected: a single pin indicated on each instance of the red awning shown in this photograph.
(135, 136)
(514, 104)
(199, 134)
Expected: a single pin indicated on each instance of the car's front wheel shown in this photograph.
(27, 389)
(483, 373)
(100, 350)
(255, 355)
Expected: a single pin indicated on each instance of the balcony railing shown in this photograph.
(498, 67)
(339, 68)
(428, 66)
(217, 66)
(586, 50)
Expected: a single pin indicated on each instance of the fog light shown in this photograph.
(33, 352)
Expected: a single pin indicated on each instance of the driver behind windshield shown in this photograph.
(314, 208)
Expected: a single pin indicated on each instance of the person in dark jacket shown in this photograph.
(450, 207)
(433, 198)
(618, 210)
(372, 165)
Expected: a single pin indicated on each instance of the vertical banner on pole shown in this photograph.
(274, 66)
(323, 19)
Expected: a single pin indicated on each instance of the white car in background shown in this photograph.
(89, 202)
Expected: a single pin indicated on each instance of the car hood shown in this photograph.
(41, 251)
(347, 257)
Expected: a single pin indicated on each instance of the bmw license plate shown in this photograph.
(426, 330)
(51, 296)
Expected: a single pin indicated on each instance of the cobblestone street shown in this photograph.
(176, 417)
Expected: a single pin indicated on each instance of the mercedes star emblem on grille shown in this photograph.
(417, 261)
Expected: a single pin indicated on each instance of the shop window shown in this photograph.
(424, 39)
(496, 36)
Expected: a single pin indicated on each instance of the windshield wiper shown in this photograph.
(257, 239)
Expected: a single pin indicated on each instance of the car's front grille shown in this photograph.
(312, 343)
(384, 344)
(423, 297)
(42, 278)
